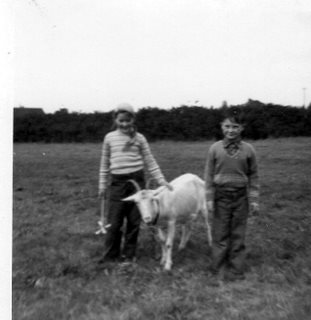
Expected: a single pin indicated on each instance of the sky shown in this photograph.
(90, 55)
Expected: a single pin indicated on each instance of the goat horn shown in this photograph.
(135, 184)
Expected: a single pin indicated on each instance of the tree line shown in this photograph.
(179, 123)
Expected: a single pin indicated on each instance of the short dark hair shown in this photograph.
(234, 114)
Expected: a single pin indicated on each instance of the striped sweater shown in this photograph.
(122, 154)
(232, 171)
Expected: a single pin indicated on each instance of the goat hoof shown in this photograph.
(168, 268)
(167, 272)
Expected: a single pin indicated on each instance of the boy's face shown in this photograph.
(231, 130)
(124, 122)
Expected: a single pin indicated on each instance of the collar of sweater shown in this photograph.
(227, 142)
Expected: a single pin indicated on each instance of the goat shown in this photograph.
(182, 204)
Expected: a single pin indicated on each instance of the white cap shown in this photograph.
(124, 107)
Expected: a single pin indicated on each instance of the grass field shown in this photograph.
(56, 274)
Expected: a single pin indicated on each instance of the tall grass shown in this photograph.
(56, 269)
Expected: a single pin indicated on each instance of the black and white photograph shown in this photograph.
(157, 160)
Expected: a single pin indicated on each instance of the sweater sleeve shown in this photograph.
(253, 176)
(150, 163)
(209, 174)
(104, 168)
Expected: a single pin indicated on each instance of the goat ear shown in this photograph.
(130, 198)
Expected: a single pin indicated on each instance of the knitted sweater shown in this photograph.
(232, 171)
(121, 155)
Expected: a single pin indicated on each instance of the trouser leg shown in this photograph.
(220, 233)
(238, 231)
(133, 218)
(132, 230)
(114, 234)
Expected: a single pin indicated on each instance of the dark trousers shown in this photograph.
(229, 229)
(118, 211)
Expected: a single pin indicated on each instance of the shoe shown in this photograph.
(106, 265)
(107, 260)
(213, 279)
(126, 261)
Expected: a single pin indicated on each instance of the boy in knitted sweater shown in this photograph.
(232, 190)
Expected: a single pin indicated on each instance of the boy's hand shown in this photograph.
(254, 209)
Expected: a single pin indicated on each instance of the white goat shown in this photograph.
(182, 204)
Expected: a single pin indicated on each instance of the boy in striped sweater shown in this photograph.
(232, 190)
(125, 154)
